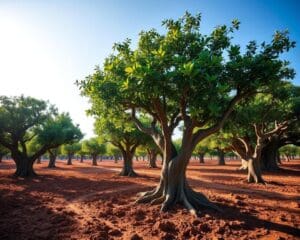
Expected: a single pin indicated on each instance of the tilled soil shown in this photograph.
(87, 202)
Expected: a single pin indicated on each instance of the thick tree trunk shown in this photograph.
(52, 159)
(24, 167)
(94, 160)
(201, 157)
(69, 162)
(269, 157)
(221, 157)
(173, 187)
(254, 171)
(127, 169)
(81, 158)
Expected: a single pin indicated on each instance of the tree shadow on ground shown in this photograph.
(250, 222)
(26, 217)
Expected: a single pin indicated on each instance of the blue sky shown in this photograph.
(46, 45)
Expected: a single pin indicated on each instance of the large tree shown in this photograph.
(24, 120)
(259, 122)
(188, 77)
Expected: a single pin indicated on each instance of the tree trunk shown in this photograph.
(221, 158)
(24, 167)
(94, 160)
(254, 170)
(1, 156)
(52, 159)
(269, 159)
(201, 157)
(81, 158)
(38, 161)
(152, 160)
(127, 169)
(115, 159)
(173, 187)
(69, 159)
(244, 165)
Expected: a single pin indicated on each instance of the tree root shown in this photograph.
(190, 199)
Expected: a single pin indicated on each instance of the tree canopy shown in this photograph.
(26, 121)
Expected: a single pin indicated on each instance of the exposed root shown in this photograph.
(128, 174)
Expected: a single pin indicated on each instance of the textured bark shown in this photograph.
(52, 159)
(173, 187)
(221, 157)
(24, 167)
(269, 156)
(152, 154)
(127, 169)
(69, 162)
(254, 171)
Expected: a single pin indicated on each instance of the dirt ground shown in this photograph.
(86, 202)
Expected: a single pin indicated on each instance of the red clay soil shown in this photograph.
(87, 202)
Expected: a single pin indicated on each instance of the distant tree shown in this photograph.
(113, 151)
(24, 120)
(94, 147)
(70, 150)
(116, 130)
(184, 76)
(81, 152)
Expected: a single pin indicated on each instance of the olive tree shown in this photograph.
(24, 120)
(93, 147)
(70, 150)
(183, 76)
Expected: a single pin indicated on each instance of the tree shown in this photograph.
(113, 151)
(94, 147)
(70, 150)
(81, 152)
(115, 129)
(259, 121)
(3, 152)
(24, 120)
(183, 77)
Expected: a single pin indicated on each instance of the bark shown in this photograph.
(52, 159)
(221, 157)
(127, 169)
(152, 154)
(24, 167)
(201, 157)
(115, 159)
(81, 158)
(94, 160)
(269, 156)
(69, 162)
(1, 156)
(173, 187)
(254, 171)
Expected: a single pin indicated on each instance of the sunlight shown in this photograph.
(23, 57)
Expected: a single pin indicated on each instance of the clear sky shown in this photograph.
(46, 45)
